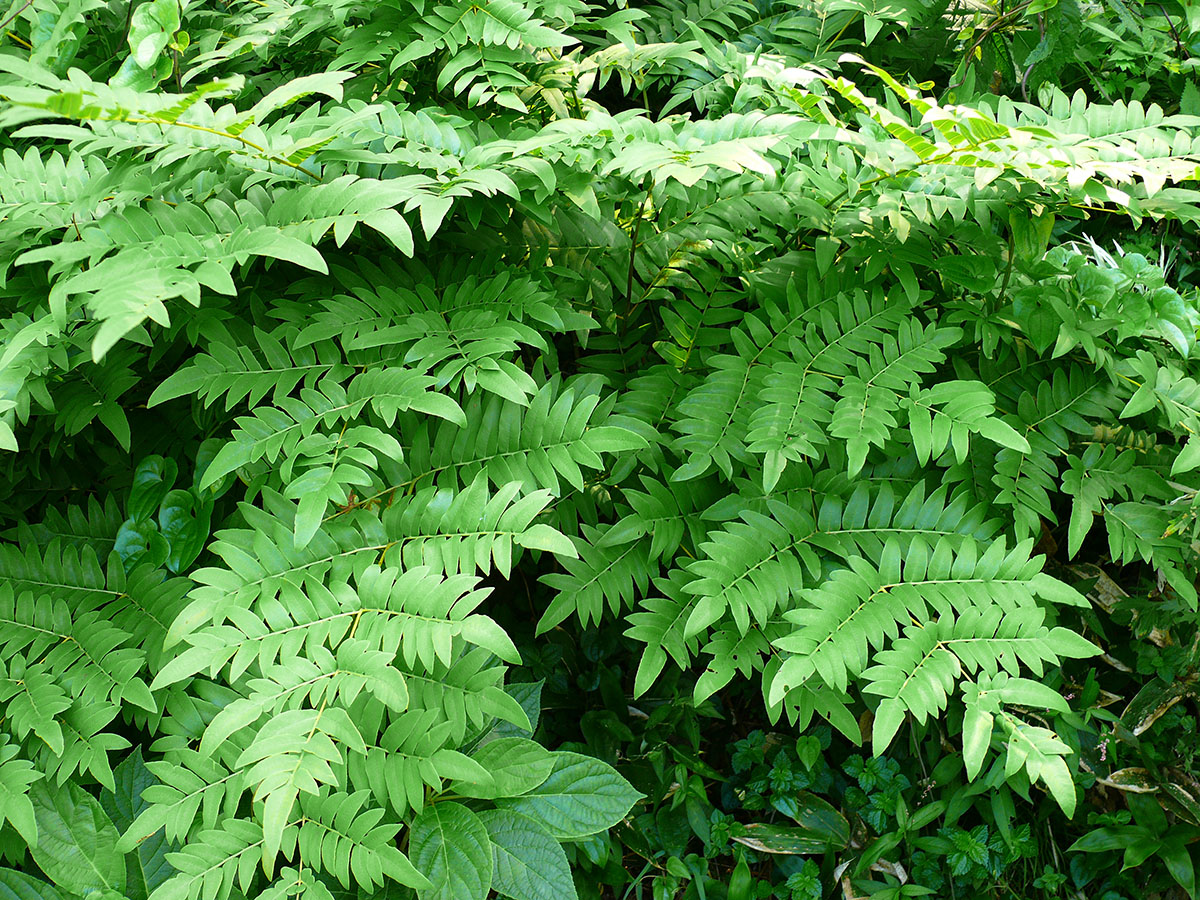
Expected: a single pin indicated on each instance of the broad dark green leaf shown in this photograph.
(141, 542)
(818, 817)
(450, 846)
(185, 522)
(152, 480)
(517, 766)
(77, 843)
(529, 695)
(19, 886)
(146, 866)
(779, 839)
(528, 863)
(581, 796)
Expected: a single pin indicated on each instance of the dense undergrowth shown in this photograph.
(725, 449)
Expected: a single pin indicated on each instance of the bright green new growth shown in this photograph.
(353, 342)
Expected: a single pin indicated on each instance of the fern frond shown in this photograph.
(563, 431)
(984, 600)
(237, 373)
(659, 623)
(418, 613)
(275, 431)
(468, 694)
(294, 752)
(411, 757)
(216, 860)
(748, 568)
(947, 413)
(733, 653)
(469, 530)
(1047, 418)
(862, 605)
(604, 572)
(713, 418)
(919, 672)
(34, 700)
(863, 414)
(68, 620)
(721, 19)
(351, 841)
(86, 747)
(73, 574)
(864, 521)
(189, 785)
(798, 396)
(16, 775)
(40, 196)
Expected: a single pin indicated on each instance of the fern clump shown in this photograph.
(344, 349)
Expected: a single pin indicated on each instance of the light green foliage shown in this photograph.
(343, 345)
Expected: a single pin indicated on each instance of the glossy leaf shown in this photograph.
(77, 841)
(580, 797)
(517, 766)
(528, 864)
(146, 867)
(450, 846)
